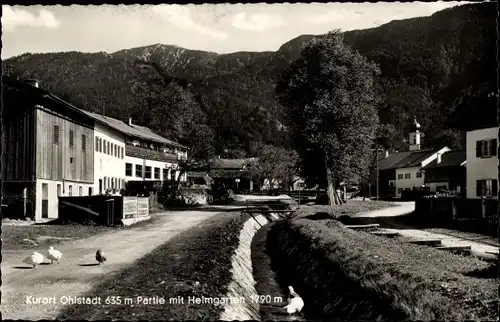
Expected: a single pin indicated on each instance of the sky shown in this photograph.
(220, 28)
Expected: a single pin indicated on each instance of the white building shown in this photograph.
(400, 171)
(129, 153)
(482, 163)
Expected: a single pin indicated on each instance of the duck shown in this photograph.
(34, 259)
(100, 256)
(54, 255)
(295, 302)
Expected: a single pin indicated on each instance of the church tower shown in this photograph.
(415, 135)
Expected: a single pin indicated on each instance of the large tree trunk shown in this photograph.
(333, 198)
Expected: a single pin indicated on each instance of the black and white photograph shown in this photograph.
(250, 161)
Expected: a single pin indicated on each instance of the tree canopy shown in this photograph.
(332, 99)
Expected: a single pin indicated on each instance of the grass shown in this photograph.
(350, 208)
(348, 274)
(201, 254)
(13, 237)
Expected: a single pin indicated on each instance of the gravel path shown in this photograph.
(77, 271)
(403, 208)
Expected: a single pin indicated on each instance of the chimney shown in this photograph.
(438, 158)
(32, 82)
(386, 153)
(128, 120)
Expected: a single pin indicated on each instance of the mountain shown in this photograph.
(439, 68)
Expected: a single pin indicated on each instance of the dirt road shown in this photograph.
(78, 271)
(403, 208)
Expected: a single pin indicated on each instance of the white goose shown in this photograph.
(54, 255)
(295, 302)
(34, 259)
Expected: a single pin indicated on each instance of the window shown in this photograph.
(90, 191)
(391, 184)
(128, 169)
(486, 148)
(157, 173)
(487, 188)
(107, 148)
(84, 142)
(407, 175)
(400, 176)
(70, 190)
(148, 172)
(105, 183)
(80, 191)
(116, 151)
(105, 145)
(122, 152)
(400, 190)
(111, 149)
(165, 174)
(58, 189)
(419, 174)
(138, 170)
(55, 134)
(71, 139)
(100, 145)
(96, 144)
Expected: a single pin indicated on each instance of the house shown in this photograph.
(448, 171)
(231, 173)
(47, 150)
(51, 149)
(482, 163)
(396, 172)
(133, 155)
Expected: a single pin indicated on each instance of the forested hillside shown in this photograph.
(440, 68)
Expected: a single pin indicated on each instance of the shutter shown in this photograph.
(479, 188)
(478, 148)
(494, 187)
(493, 147)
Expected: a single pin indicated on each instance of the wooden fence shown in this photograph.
(457, 209)
(104, 210)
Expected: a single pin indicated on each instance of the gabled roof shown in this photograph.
(237, 164)
(449, 159)
(414, 159)
(134, 131)
(393, 159)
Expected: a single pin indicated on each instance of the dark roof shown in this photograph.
(134, 131)
(236, 164)
(449, 159)
(393, 159)
(414, 159)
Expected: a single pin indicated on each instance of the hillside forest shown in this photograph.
(441, 69)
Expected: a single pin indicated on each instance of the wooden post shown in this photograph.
(453, 209)
(25, 197)
(483, 208)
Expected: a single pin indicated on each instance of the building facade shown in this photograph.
(48, 150)
(447, 172)
(482, 163)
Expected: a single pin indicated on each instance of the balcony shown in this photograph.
(148, 154)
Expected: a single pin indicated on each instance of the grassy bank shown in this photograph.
(194, 263)
(345, 274)
(350, 208)
(33, 236)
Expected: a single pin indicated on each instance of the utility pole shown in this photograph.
(377, 172)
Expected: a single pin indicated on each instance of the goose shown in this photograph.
(100, 256)
(34, 259)
(54, 255)
(295, 302)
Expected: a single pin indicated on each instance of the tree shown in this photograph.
(330, 94)
(172, 110)
(274, 164)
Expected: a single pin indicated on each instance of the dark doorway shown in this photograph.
(45, 200)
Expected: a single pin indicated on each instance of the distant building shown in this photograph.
(448, 172)
(401, 171)
(482, 163)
